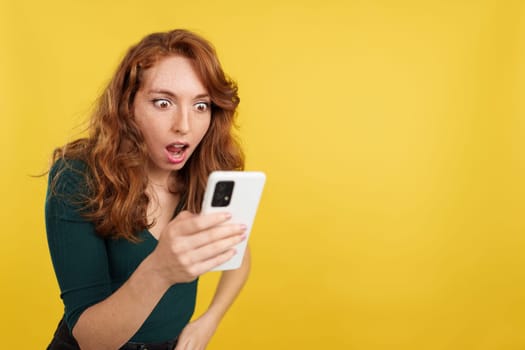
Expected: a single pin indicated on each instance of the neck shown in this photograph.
(158, 177)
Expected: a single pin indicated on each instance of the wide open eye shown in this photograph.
(162, 103)
(202, 106)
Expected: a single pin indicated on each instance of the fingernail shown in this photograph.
(243, 227)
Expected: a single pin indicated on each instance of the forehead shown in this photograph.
(172, 72)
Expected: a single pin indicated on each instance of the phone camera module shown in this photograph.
(222, 194)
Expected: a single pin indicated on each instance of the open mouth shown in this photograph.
(176, 151)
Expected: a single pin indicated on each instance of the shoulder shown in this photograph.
(63, 165)
(68, 176)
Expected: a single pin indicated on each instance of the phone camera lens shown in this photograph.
(222, 194)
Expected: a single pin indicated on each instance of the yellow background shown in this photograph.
(392, 134)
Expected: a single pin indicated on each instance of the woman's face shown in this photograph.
(173, 111)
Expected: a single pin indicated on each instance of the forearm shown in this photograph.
(112, 322)
(230, 285)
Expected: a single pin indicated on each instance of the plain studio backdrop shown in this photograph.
(392, 134)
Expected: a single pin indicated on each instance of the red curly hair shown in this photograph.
(115, 151)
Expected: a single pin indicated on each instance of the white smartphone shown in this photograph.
(239, 193)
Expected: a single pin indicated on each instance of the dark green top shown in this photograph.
(90, 268)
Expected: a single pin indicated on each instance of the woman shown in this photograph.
(126, 244)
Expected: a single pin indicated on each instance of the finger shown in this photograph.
(216, 248)
(183, 343)
(215, 261)
(215, 234)
(180, 343)
(192, 257)
(191, 243)
(207, 244)
(189, 224)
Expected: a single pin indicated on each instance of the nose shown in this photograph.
(181, 121)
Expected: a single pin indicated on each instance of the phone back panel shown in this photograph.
(244, 201)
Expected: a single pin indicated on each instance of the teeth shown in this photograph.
(176, 149)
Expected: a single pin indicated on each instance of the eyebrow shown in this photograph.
(171, 94)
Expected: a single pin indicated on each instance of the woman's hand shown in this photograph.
(197, 334)
(193, 244)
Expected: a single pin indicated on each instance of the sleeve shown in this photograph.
(79, 256)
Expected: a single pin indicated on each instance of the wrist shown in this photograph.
(153, 268)
(213, 315)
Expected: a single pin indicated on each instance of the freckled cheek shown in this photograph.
(205, 129)
(150, 132)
